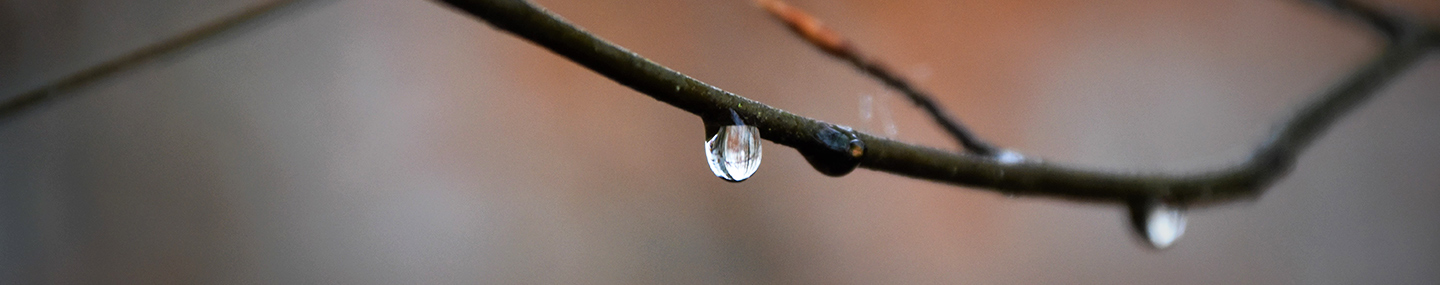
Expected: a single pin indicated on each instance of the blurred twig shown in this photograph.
(822, 37)
(1391, 28)
(16, 104)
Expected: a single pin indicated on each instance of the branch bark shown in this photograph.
(836, 150)
(842, 148)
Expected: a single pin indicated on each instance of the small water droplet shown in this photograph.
(734, 151)
(1159, 223)
(1009, 157)
(836, 152)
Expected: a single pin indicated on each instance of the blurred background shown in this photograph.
(401, 142)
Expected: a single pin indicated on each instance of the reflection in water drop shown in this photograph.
(734, 152)
(1160, 224)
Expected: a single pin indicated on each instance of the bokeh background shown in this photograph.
(401, 142)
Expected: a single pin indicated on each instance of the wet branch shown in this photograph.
(824, 144)
(836, 150)
(832, 43)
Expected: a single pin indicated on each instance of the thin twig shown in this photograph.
(1389, 27)
(809, 136)
(16, 104)
(1270, 161)
(832, 43)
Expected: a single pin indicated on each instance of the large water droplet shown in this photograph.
(1159, 223)
(734, 152)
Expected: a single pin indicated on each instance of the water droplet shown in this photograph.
(1158, 223)
(1009, 157)
(836, 150)
(734, 151)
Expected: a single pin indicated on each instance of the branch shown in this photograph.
(1389, 27)
(49, 92)
(832, 43)
(835, 150)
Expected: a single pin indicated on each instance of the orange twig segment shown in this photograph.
(808, 27)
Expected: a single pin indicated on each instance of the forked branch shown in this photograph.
(822, 37)
(1247, 179)
(835, 150)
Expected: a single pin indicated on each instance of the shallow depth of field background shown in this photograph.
(401, 142)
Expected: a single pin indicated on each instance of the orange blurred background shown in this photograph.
(401, 142)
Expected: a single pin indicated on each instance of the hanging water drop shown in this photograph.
(1158, 223)
(836, 150)
(734, 150)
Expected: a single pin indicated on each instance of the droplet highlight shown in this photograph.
(734, 151)
(1009, 157)
(1158, 223)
